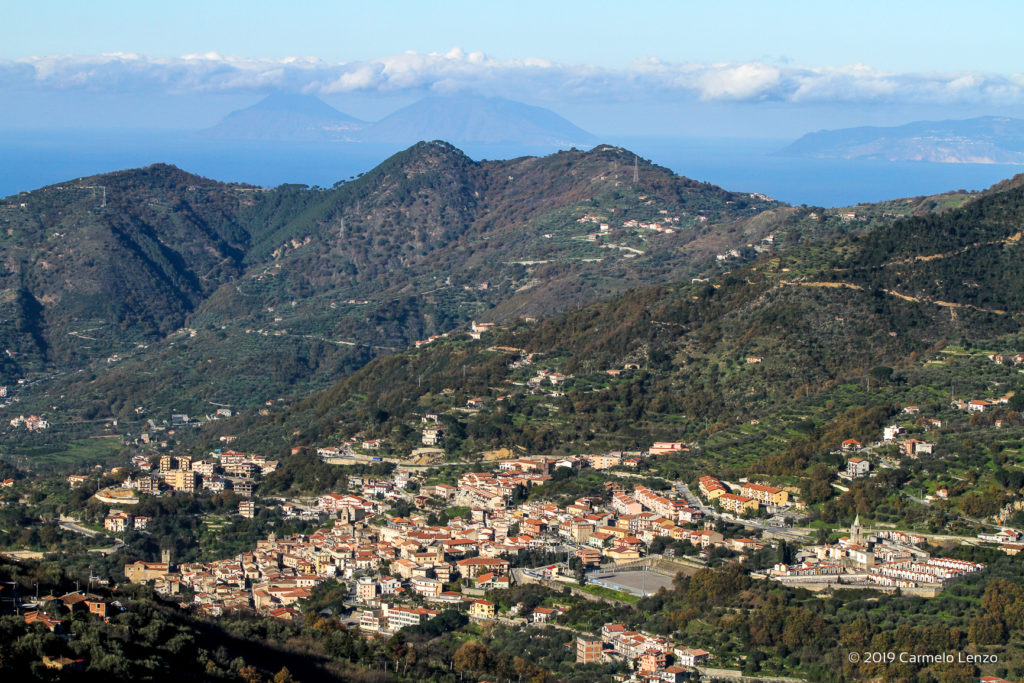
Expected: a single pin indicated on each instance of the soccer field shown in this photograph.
(634, 582)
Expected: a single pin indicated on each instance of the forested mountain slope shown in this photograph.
(169, 290)
(667, 361)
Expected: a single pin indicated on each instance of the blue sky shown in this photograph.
(727, 68)
(908, 35)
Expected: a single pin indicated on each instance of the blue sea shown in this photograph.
(32, 159)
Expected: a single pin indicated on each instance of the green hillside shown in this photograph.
(116, 275)
(764, 369)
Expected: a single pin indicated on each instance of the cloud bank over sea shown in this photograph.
(646, 80)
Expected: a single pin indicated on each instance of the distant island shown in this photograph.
(983, 140)
(286, 117)
(463, 119)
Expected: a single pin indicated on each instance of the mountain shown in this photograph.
(783, 337)
(97, 263)
(463, 119)
(480, 120)
(155, 288)
(286, 117)
(984, 140)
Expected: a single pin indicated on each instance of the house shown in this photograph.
(671, 674)
(857, 467)
(473, 567)
(54, 625)
(285, 614)
(432, 436)
(705, 538)
(400, 617)
(117, 521)
(490, 581)
(851, 445)
(97, 607)
(912, 448)
(542, 614)
(590, 557)
(652, 660)
(689, 657)
(622, 552)
(482, 609)
(603, 462)
(429, 588)
(372, 620)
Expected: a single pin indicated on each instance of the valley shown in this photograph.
(449, 414)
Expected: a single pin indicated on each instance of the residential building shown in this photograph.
(482, 609)
(366, 589)
(588, 650)
(737, 503)
(765, 495)
(117, 521)
(690, 657)
(857, 467)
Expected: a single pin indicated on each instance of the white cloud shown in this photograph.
(739, 82)
(646, 80)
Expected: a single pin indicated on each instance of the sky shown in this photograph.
(909, 35)
(755, 69)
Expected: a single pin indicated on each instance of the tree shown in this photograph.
(881, 374)
(472, 656)
(283, 676)
(250, 674)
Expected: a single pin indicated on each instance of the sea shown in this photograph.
(32, 159)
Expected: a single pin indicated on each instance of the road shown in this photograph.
(694, 501)
(71, 526)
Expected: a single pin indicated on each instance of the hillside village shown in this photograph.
(421, 537)
(747, 472)
(404, 570)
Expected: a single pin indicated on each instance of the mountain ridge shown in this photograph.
(286, 117)
(743, 345)
(425, 242)
(984, 140)
(462, 119)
